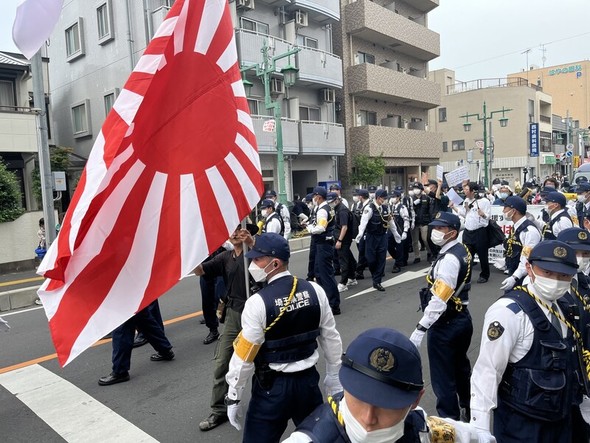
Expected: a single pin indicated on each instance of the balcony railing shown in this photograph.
(322, 138)
(316, 66)
(266, 140)
(484, 83)
(18, 129)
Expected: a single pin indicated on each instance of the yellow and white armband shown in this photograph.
(442, 290)
(244, 349)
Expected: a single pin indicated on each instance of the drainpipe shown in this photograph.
(129, 34)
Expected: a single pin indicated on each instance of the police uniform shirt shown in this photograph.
(528, 239)
(469, 211)
(506, 338)
(559, 225)
(286, 216)
(273, 224)
(401, 209)
(321, 220)
(367, 214)
(446, 270)
(253, 324)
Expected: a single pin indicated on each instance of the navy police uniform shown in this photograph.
(447, 322)
(529, 346)
(559, 219)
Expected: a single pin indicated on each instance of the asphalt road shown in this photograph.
(164, 401)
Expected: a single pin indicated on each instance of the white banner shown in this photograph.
(456, 176)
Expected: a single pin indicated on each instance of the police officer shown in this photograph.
(335, 187)
(556, 218)
(282, 210)
(523, 238)
(401, 223)
(343, 233)
(375, 222)
(273, 222)
(313, 209)
(364, 200)
(382, 378)
(582, 207)
(446, 318)
(322, 234)
(281, 327)
(525, 372)
(424, 210)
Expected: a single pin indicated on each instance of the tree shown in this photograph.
(60, 161)
(10, 195)
(368, 170)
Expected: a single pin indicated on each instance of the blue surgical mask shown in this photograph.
(503, 195)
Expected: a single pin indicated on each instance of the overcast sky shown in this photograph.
(479, 38)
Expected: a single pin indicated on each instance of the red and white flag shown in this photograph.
(171, 174)
(33, 23)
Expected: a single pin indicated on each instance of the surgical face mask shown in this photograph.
(358, 434)
(581, 198)
(264, 212)
(395, 200)
(550, 289)
(258, 274)
(371, 195)
(508, 215)
(503, 195)
(438, 237)
(355, 198)
(583, 263)
(332, 205)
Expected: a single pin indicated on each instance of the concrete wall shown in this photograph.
(19, 239)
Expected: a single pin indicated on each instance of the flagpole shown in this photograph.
(244, 250)
(43, 147)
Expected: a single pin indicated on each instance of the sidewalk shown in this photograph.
(19, 290)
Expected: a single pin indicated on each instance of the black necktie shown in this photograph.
(554, 320)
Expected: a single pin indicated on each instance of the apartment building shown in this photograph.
(514, 108)
(96, 44)
(385, 48)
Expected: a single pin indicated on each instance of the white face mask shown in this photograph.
(582, 198)
(503, 195)
(438, 237)
(355, 198)
(258, 274)
(508, 216)
(550, 289)
(583, 263)
(358, 434)
(264, 212)
(371, 195)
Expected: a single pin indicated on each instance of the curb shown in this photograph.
(25, 297)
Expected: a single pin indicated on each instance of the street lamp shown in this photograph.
(484, 117)
(264, 71)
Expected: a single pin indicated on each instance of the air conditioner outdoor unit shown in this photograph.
(328, 95)
(277, 86)
(245, 4)
(301, 18)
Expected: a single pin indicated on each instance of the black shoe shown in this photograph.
(161, 357)
(359, 277)
(416, 260)
(212, 422)
(396, 269)
(202, 321)
(113, 378)
(336, 311)
(482, 280)
(213, 335)
(140, 340)
(379, 287)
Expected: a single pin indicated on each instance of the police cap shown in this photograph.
(556, 197)
(417, 185)
(446, 219)
(383, 368)
(363, 193)
(320, 190)
(517, 203)
(270, 193)
(554, 256)
(372, 188)
(577, 238)
(583, 187)
(270, 244)
(380, 193)
(334, 186)
(266, 203)
(331, 196)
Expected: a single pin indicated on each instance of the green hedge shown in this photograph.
(10, 195)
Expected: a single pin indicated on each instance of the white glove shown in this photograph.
(585, 409)
(358, 238)
(332, 384)
(417, 337)
(417, 201)
(404, 236)
(4, 326)
(309, 228)
(484, 436)
(508, 283)
(234, 414)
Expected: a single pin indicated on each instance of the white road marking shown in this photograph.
(69, 411)
(406, 276)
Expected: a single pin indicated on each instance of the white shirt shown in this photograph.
(253, 324)
(494, 355)
(529, 238)
(367, 214)
(469, 211)
(322, 217)
(559, 225)
(272, 224)
(286, 216)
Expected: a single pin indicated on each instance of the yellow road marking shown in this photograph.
(24, 280)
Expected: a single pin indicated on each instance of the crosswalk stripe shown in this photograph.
(69, 411)
(406, 276)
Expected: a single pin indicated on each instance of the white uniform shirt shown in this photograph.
(322, 218)
(286, 216)
(529, 238)
(272, 224)
(469, 211)
(494, 355)
(403, 212)
(446, 269)
(367, 214)
(559, 225)
(253, 324)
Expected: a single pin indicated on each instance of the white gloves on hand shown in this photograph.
(508, 283)
(417, 337)
(585, 409)
(332, 384)
(358, 238)
(484, 436)
(417, 201)
(4, 326)
(404, 236)
(234, 414)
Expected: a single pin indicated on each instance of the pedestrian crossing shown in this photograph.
(69, 411)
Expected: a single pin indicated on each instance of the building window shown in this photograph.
(445, 147)
(252, 25)
(81, 119)
(458, 145)
(74, 41)
(7, 96)
(308, 42)
(109, 100)
(104, 21)
(442, 114)
(310, 114)
(363, 57)
(364, 118)
(253, 105)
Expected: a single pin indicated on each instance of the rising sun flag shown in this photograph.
(171, 174)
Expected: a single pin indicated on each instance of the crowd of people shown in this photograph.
(530, 381)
